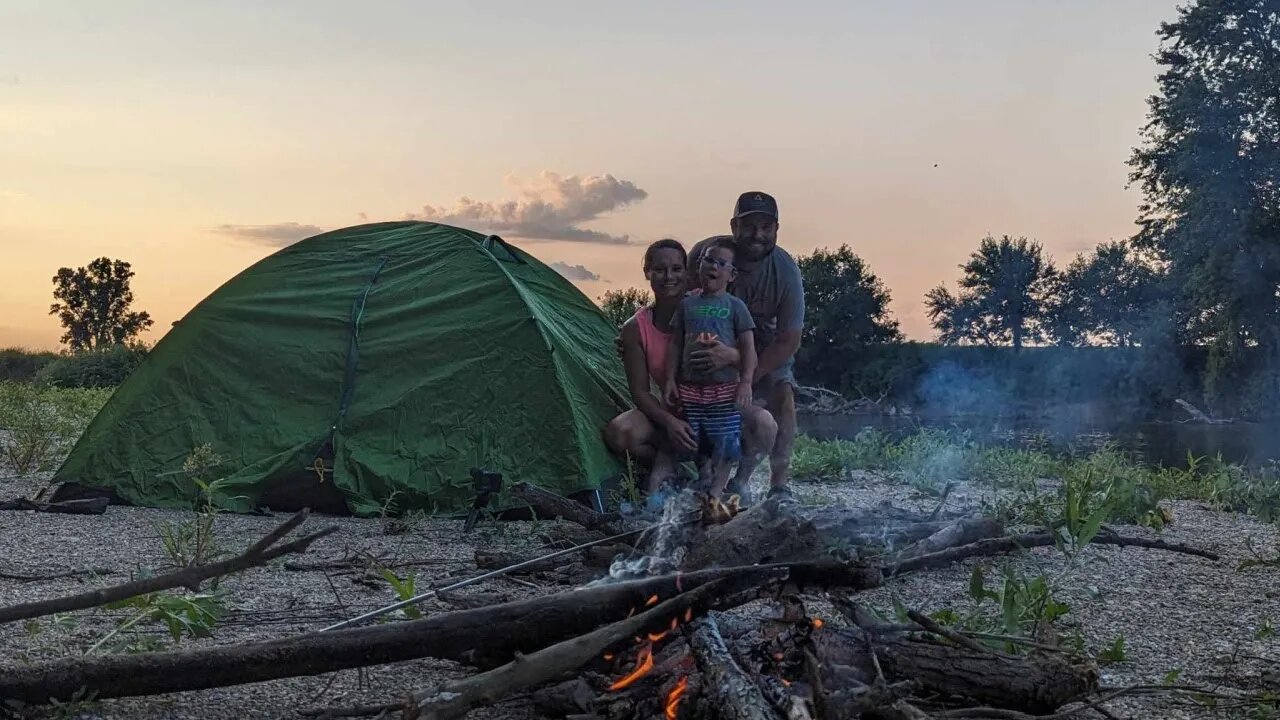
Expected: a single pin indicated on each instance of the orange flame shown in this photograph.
(688, 615)
(643, 667)
(817, 623)
(608, 656)
(655, 637)
(785, 682)
(673, 697)
(651, 601)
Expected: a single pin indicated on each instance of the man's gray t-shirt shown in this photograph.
(724, 316)
(774, 293)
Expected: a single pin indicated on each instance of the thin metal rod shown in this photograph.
(486, 576)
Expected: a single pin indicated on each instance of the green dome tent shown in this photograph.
(370, 362)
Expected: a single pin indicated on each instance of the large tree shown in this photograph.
(846, 308)
(1006, 295)
(1106, 297)
(93, 304)
(1209, 170)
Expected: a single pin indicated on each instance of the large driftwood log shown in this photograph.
(781, 531)
(483, 637)
(454, 699)
(259, 553)
(731, 693)
(1034, 683)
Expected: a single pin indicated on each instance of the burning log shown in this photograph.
(455, 698)
(483, 637)
(729, 691)
(776, 531)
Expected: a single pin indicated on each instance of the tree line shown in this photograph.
(1199, 283)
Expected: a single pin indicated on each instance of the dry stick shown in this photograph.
(190, 577)
(734, 695)
(995, 546)
(928, 624)
(454, 699)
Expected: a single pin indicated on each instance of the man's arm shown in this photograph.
(790, 304)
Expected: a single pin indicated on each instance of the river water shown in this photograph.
(1078, 430)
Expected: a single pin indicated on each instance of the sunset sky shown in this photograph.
(193, 139)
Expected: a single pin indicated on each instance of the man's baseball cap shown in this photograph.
(755, 202)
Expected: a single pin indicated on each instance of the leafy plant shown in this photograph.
(191, 615)
(1113, 653)
(404, 588)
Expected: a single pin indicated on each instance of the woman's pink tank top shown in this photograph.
(654, 342)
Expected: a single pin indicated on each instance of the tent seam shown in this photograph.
(551, 350)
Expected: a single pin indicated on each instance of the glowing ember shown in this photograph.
(643, 666)
(688, 615)
(608, 656)
(817, 623)
(785, 682)
(655, 637)
(651, 601)
(673, 697)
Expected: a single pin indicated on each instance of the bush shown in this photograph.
(40, 424)
(93, 368)
(21, 364)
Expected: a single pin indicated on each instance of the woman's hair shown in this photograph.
(664, 244)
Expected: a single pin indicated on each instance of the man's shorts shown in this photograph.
(763, 388)
(713, 415)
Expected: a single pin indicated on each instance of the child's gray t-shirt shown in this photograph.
(724, 316)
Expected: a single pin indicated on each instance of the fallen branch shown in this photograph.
(259, 553)
(996, 546)
(731, 693)
(549, 505)
(23, 577)
(348, 712)
(85, 506)
(454, 699)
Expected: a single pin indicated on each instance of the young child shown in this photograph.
(712, 402)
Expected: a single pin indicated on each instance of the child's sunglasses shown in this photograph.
(723, 264)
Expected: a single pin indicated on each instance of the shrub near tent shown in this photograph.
(363, 364)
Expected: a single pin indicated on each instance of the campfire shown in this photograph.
(709, 611)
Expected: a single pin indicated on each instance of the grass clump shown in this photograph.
(1033, 486)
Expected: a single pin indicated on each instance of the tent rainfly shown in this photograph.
(369, 366)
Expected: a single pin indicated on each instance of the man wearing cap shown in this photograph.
(768, 281)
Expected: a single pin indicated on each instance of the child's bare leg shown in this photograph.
(721, 468)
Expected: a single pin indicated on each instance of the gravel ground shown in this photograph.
(1175, 612)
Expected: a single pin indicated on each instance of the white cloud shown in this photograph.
(551, 207)
(573, 272)
(277, 235)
